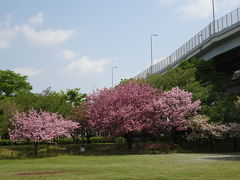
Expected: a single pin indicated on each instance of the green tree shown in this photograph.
(207, 73)
(74, 96)
(48, 101)
(7, 108)
(51, 101)
(26, 100)
(12, 83)
(184, 79)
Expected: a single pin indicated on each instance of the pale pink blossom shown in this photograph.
(40, 126)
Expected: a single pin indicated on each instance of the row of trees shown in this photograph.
(159, 104)
(127, 109)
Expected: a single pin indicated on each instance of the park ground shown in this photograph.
(133, 166)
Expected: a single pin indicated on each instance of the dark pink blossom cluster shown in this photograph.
(40, 126)
(134, 107)
(173, 109)
(121, 110)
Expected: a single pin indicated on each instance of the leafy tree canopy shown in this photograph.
(184, 78)
(7, 108)
(74, 96)
(12, 83)
(48, 100)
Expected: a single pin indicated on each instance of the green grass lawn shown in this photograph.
(163, 166)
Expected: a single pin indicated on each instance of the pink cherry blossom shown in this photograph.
(40, 126)
(137, 107)
(172, 110)
(122, 110)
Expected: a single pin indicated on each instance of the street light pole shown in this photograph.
(94, 86)
(152, 53)
(213, 11)
(112, 74)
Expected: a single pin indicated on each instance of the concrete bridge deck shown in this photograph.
(220, 40)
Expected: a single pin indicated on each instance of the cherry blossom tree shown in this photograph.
(136, 107)
(172, 111)
(233, 132)
(40, 127)
(123, 110)
(201, 129)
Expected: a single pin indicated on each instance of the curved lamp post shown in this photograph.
(213, 11)
(112, 74)
(152, 53)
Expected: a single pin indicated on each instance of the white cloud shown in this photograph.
(68, 54)
(48, 37)
(6, 36)
(167, 1)
(7, 33)
(4, 44)
(27, 71)
(227, 5)
(36, 20)
(85, 65)
(45, 37)
(195, 9)
(5, 40)
(200, 9)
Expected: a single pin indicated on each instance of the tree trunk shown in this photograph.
(76, 139)
(35, 148)
(129, 140)
(195, 146)
(213, 144)
(154, 138)
(47, 146)
(174, 136)
(235, 144)
(76, 142)
(173, 139)
(88, 138)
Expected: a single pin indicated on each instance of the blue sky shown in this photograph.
(75, 43)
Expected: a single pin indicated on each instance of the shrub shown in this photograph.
(6, 142)
(101, 139)
(83, 140)
(120, 140)
(25, 142)
(64, 141)
(96, 139)
(108, 139)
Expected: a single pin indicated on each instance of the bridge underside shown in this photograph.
(229, 62)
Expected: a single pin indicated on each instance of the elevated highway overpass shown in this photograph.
(220, 41)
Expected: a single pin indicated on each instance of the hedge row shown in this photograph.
(119, 140)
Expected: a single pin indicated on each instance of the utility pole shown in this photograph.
(213, 12)
(152, 53)
(112, 74)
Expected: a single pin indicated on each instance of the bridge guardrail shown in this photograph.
(215, 27)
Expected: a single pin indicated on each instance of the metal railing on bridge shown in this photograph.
(214, 28)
